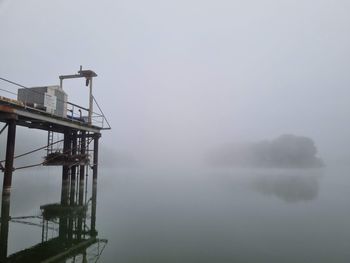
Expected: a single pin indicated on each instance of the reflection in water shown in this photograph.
(68, 232)
(290, 188)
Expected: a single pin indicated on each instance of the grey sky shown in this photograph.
(178, 75)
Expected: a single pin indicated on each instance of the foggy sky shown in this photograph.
(177, 77)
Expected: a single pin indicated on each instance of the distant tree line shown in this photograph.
(286, 151)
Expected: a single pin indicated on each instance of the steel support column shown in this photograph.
(10, 151)
(65, 169)
(4, 230)
(82, 168)
(73, 169)
(94, 184)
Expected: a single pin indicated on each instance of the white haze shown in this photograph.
(179, 77)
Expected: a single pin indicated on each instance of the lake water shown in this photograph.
(203, 214)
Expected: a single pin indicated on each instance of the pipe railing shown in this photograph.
(75, 112)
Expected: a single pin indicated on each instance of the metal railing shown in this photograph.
(75, 112)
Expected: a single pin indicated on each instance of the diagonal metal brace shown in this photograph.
(3, 128)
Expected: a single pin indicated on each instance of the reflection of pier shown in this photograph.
(68, 232)
(79, 131)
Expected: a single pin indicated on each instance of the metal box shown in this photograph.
(51, 99)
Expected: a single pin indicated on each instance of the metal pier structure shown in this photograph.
(47, 109)
(67, 234)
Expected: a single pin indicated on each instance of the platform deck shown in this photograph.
(39, 119)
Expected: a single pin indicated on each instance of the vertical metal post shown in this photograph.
(82, 168)
(73, 169)
(63, 224)
(94, 184)
(65, 169)
(43, 230)
(48, 144)
(95, 166)
(10, 151)
(84, 257)
(6, 189)
(79, 226)
(4, 230)
(70, 229)
(63, 227)
(90, 102)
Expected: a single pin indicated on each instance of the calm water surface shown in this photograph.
(204, 215)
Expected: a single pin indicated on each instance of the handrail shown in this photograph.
(75, 105)
(98, 117)
(104, 117)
